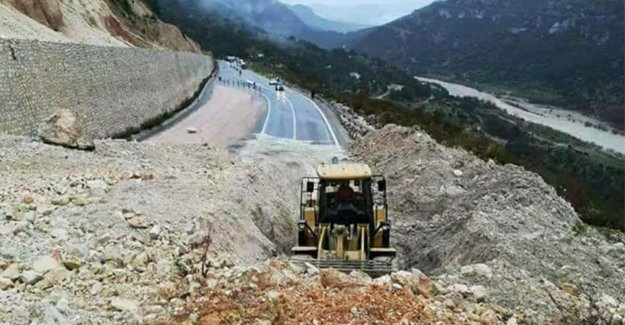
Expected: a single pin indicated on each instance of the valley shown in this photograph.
(152, 155)
(579, 126)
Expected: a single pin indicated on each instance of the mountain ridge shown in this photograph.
(312, 19)
(567, 48)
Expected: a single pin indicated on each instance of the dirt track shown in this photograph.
(230, 116)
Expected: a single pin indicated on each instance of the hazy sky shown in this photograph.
(363, 11)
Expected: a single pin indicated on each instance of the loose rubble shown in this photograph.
(281, 293)
(497, 232)
(95, 237)
(136, 233)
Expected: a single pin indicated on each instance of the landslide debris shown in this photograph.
(63, 129)
(451, 209)
(281, 293)
(101, 236)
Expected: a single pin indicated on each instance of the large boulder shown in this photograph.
(63, 129)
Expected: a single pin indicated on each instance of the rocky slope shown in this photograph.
(151, 233)
(97, 22)
(451, 209)
(97, 237)
(570, 48)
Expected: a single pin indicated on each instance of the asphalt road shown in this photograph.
(290, 114)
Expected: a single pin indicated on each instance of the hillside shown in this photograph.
(565, 52)
(97, 22)
(275, 19)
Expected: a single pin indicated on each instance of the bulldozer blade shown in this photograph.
(372, 268)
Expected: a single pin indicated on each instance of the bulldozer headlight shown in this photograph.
(301, 225)
(386, 227)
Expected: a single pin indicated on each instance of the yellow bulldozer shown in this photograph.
(343, 220)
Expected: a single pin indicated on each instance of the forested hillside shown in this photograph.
(563, 52)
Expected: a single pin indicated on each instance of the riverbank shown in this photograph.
(571, 123)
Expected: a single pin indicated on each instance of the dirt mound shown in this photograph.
(95, 237)
(280, 293)
(450, 208)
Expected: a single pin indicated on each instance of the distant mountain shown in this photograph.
(310, 18)
(368, 13)
(272, 16)
(570, 48)
(269, 15)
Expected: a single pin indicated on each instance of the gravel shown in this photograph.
(451, 209)
(120, 224)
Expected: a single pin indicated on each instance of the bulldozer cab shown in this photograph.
(343, 219)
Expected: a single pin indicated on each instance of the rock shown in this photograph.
(397, 286)
(192, 130)
(479, 292)
(467, 270)
(7, 230)
(12, 272)
(96, 288)
(72, 263)
(311, 269)
(459, 288)
(608, 301)
(569, 288)
(5, 283)
(164, 267)
(360, 277)
(384, 281)
(606, 267)
(140, 261)
(98, 187)
(52, 278)
(46, 263)
(198, 238)
(63, 129)
(138, 222)
(61, 201)
(28, 199)
(272, 295)
(458, 173)
(59, 233)
(512, 321)
(155, 232)
(332, 278)
(483, 270)
(80, 200)
(425, 287)
(30, 277)
(121, 304)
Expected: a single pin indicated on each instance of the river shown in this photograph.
(568, 122)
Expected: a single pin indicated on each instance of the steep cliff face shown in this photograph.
(97, 22)
(570, 48)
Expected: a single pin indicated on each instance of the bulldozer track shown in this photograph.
(372, 267)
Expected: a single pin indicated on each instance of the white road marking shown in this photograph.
(294, 117)
(268, 114)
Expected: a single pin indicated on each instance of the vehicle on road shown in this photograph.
(280, 85)
(274, 81)
(343, 220)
